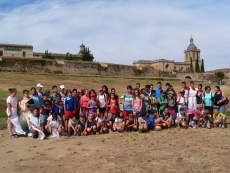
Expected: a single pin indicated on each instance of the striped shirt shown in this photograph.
(127, 97)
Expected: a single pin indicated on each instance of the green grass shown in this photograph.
(228, 113)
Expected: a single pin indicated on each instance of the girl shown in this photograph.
(84, 102)
(24, 111)
(13, 124)
(136, 103)
(92, 105)
(194, 118)
(72, 126)
(206, 119)
(145, 101)
(199, 98)
(115, 94)
(69, 108)
(208, 98)
(105, 90)
(101, 127)
(119, 123)
(108, 119)
(219, 99)
(131, 123)
(81, 126)
(142, 121)
(181, 101)
(113, 106)
(102, 100)
(54, 126)
(181, 118)
(34, 122)
(90, 125)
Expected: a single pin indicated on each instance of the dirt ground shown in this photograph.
(172, 150)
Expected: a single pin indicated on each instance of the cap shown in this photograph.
(78, 90)
(62, 86)
(39, 85)
(100, 89)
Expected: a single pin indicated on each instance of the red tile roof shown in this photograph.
(224, 70)
(16, 45)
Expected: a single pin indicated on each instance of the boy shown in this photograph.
(206, 119)
(153, 100)
(142, 122)
(152, 121)
(171, 103)
(219, 119)
(165, 118)
(181, 118)
(127, 102)
(162, 102)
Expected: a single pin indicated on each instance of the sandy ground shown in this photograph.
(173, 150)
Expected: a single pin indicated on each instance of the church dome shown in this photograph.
(192, 45)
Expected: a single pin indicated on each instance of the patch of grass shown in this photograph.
(228, 113)
(3, 123)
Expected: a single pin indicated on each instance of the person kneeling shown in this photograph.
(219, 119)
(142, 121)
(181, 118)
(54, 125)
(165, 118)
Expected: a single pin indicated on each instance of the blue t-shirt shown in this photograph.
(158, 92)
(208, 97)
(37, 101)
(150, 121)
(69, 103)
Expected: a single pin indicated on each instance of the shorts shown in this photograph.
(69, 114)
(82, 124)
(43, 118)
(126, 114)
(206, 122)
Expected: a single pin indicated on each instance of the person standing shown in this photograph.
(158, 90)
(208, 98)
(192, 102)
(127, 102)
(39, 90)
(219, 99)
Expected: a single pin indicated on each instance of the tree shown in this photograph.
(220, 76)
(191, 66)
(197, 68)
(86, 55)
(69, 56)
(47, 55)
(202, 66)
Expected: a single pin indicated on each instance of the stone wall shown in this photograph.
(193, 76)
(76, 67)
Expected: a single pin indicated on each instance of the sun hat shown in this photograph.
(62, 86)
(39, 85)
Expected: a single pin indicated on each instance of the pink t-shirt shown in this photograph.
(23, 105)
(137, 103)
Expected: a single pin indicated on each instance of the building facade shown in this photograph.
(16, 50)
(191, 53)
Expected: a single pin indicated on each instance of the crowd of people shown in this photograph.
(85, 112)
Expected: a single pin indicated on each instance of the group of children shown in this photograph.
(82, 112)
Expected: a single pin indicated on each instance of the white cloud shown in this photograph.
(123, 31)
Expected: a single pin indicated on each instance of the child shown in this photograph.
(81, 126)
(146, 101)
(108, 119)
(69, 108)
(193, 118)
(127, 102)
(162, 101)
(90, 125)
(219, 119)
(101, 128)
(142, 121)
(206, 119)
(171, 103)
(72, 126)
(136, 102)
(165, 118)
(131, 123)
(45, 110)
(119, 123)
(153, 100)
(34, 123)
(181, 118)
(113, 106)
(92, 105)
(152, 121)
(54, 125)
(84, 102)
(181, 101)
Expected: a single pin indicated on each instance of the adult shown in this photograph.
(199, 97)
(219, 99)
(158, 90)
(13, 124)
(102, 100)
(192, 103)
(39, 90)
(208, 98)
(25, 111)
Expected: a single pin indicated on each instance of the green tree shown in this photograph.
(47, 55)
(202, 66)
(86, 55)
(69, 56)
(191, 66)
(197, 68)
(220, 76)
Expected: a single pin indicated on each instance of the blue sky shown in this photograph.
(119, 31)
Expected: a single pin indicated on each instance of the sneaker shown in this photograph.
(30, 134)
(11, 137)
(223, 126)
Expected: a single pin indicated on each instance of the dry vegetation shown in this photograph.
(173, 150)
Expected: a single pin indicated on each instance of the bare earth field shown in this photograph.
(172, 150)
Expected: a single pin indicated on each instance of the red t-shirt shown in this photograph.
(113, 106)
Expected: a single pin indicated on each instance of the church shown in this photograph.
(191, 53)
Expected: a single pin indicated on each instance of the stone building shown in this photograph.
(173, 66)
(16, 50)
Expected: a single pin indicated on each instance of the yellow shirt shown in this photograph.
(218, 116)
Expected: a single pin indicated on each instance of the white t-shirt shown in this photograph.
(34, 120)
(179, 115)
(100, 120)
(102, 99)
(50, 118)
(13, 101)
(181, 100)
(119, 120)
(54, 124)
(141, 120)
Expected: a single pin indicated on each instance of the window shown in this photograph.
(24, 54)
(1, 53)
